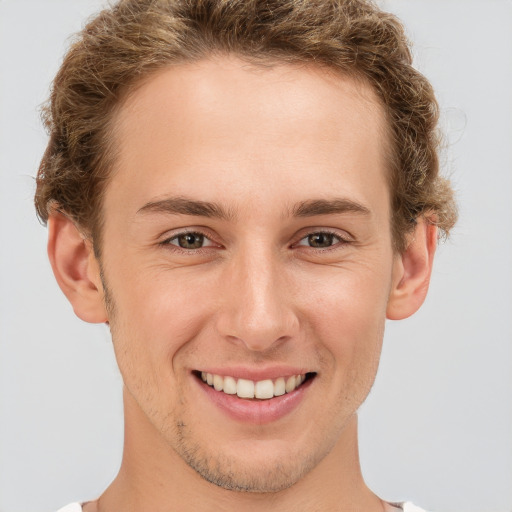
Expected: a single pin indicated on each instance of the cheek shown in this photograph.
(346, 314)
(347, 299)
(157, 312)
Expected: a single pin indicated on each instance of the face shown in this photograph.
(247, 243)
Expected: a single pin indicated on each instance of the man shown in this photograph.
(244, 191)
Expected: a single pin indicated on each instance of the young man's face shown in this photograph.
(247, 235)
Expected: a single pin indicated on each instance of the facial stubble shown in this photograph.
(216, 468)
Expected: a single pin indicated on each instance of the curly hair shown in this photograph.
(127, 43)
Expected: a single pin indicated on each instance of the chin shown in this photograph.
(268, 479)
(254, 469)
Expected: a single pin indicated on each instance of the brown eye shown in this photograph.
(321, 240)
(189, 241)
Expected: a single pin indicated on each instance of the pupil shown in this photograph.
(320, 240)
(191, 241)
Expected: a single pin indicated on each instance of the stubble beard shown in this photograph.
(239, 474)
(217, 468)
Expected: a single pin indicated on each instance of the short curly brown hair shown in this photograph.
(125, 44)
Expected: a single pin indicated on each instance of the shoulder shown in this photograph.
(409, 507)
(72, 507)
(403, 507)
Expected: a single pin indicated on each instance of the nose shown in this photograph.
(257, 307)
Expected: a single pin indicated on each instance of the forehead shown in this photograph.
(198, 127)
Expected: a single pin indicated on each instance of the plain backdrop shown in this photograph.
(437, 427)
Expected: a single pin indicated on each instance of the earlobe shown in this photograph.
(76, 268)
(411, 272)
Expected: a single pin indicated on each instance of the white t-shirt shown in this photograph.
(392, 507)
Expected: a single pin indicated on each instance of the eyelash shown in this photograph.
(340, 241)
(175, 247)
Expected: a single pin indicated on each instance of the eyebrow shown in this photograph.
(310, 208)
(328, 207)
(184, 206)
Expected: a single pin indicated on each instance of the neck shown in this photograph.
(153, 477)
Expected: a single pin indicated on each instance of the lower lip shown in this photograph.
(256, 411)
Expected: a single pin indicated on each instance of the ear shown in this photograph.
(76, 268)
(411, 272)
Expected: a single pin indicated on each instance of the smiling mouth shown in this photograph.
(248, 389)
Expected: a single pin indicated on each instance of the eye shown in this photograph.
(320, 240)
(190, 241)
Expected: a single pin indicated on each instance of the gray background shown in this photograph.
(437, 427)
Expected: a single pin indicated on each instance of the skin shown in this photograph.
(260, 144)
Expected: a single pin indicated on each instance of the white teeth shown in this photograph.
(229, 386)
(279, 387)
(290, 384)
(245, 388)
(263, 389)
(218, 382)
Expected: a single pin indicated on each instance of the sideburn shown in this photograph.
(107, 294)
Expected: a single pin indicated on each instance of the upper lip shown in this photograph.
(255, 374)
